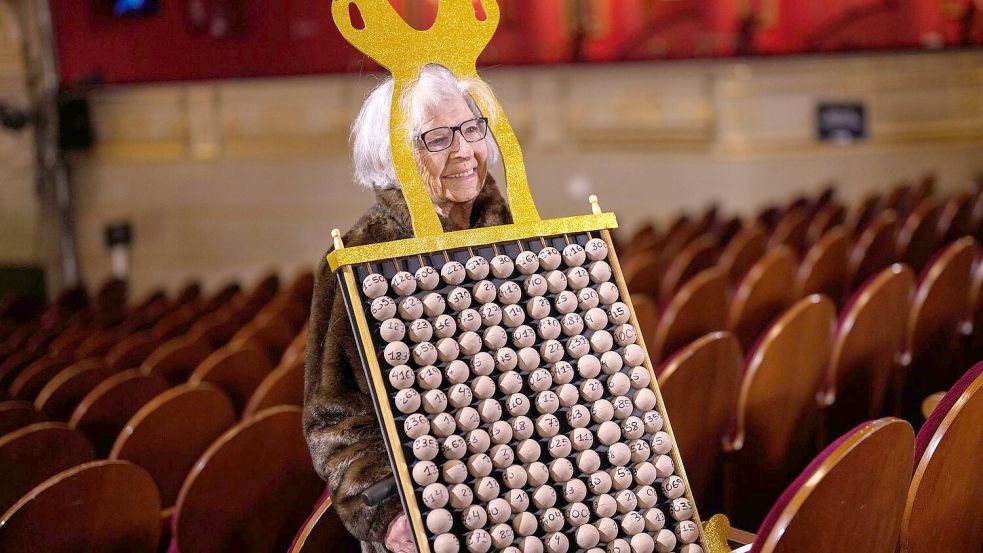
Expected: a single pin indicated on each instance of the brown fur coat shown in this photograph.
(339, 421)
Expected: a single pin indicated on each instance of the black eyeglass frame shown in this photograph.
(422, 138)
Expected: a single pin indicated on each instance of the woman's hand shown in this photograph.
(399, 539)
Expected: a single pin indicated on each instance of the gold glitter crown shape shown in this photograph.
(455, 41)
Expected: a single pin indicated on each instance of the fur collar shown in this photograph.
(490, 209)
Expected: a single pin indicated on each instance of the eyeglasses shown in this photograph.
(441, 138)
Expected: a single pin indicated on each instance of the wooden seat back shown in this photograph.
(696, 256)
(700, 307)
(283, 386)
(955, 217)
(65, 390)
(104, 411)
(32, 454)
(101, 506)
(272, 337)
(742, 252)
(236, 500)
(16, 414)
(873, 250)
(34, 376)
(324, 531)
(791, 231)
(824, 267)
(168, 434)
(827, 217)
(237, 371)
(710, 367)
(764, 293)
(942, 510)
(868, 470)
(176, 359)
(131, 351)
(919, 238)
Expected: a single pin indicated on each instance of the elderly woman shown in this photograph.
(453, 151)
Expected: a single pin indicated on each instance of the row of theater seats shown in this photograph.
(173, 424)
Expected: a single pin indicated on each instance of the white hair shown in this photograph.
(436, 85)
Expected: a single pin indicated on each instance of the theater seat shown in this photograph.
(323, 531)
(32, 454)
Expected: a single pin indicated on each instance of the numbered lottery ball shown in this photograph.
(374, 285)
(427, 278)
(452, 273)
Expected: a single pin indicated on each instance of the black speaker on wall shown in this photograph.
(75, 130)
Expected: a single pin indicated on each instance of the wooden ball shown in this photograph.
(530, 544)
(565, 302)
(518, 500)
(522, 428)
(661, 443)
(540, 380)
(642, 543)
(439, 521)
(673, 487)
(454, 447)
(474, 517)
(578, 417)
(621, 477)
(502, 456)
(561, 470)
(577, 347)
(501, 432)
(424, 353)
(420, 331)
(577, 514)
(403, 283)
(681, 509)
(618, 314)
(561, 372)
(408, 401)
(515, 476)
(645, 473)
(691, 548)
(587, 536)
(482, 363)
(459, 299)
(581, 439)
(483, 387)
(523, 336)
(551, 520)
(618, 546)
(626, 501)
(538, 473)
(535, 285)
(624, 335)
(632, 523)
(623, 407)
(644, 399)
(549, 258)
(544, 497)
(469, 343)
(443, 425)
(528, 359)
(435, 495)
(410, 308)
(425, 473)
(574, 255)
(588, 366)
(517, 404)
(486, 488)
(646, 496)
(587, 299)
(509, 293)
(490, 410)
(599, 483)
(528, 451)
(664, 466)
(469, 320)
(452, 272)
(537, 307)
(596, 248)
(640, 377)
(396, 353)
(588, 461)
(526, 263)
(429, 377)
(618, 384)
(426, 278)
(434, 304)
(509, 382)
(557, 543)
(499, 510)
(687, 531)
(476, 268)
(572, 324)
(460, 395)
(568, 394)
(416, 425)
(577, 278)
(633, 355)
(556, 281)
(502, 266)
(611, 362)
(653, 421)
(640, 451)
(547, 402)
(478, 441)
(574, 490)
(665, 541)
(374, 285)
(604, 505)
(632, 428)
(601, 342)
(607, 529)
(602, 411)
(600, 271)
(513, 316)
(547, 425)
(655, 520)
(460, 496)
(501, 535)
(548, 328)
(454, 471)
(494, 337)
(608, 433)
(484, 291)
(479, 465)
(596, 318)
(434, 401)
(401, 377)
(618, 453)
(491, 314)
(392, 330)
(478, 540)
(608, 292)
(383, 308)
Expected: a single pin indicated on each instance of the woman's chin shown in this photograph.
(464, 190)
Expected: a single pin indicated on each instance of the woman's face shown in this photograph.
(456, 174)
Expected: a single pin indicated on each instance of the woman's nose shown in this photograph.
(460, 146)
